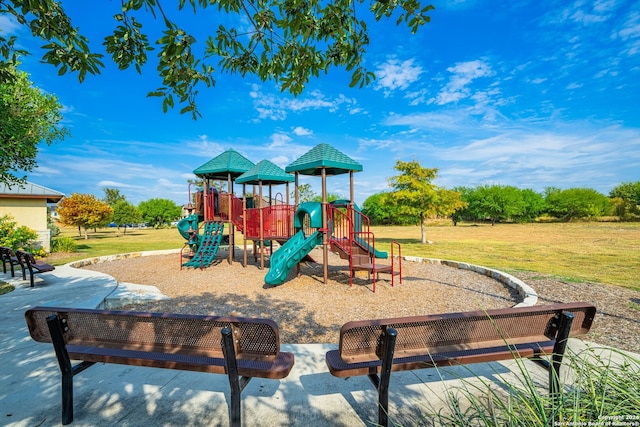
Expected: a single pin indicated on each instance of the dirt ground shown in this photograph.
(309, 311)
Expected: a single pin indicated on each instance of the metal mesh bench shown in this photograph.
(28, 262)
(241, 348)
(377, 347)
(8, 257)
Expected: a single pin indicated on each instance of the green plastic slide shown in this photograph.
(183, 226)
(289, 255)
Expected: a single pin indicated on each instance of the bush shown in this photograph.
(63, 244)
(16, 237)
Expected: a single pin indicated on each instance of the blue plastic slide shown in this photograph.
(289, 255)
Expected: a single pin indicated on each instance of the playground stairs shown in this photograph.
(361, 259)
(208, 248)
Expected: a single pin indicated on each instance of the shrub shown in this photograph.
(63, 244)
(15, 237)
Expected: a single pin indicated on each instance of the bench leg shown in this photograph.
(57, 338)
(236, 383)
(382, 382)
(562, 337)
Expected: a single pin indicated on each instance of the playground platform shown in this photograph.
(118, 395)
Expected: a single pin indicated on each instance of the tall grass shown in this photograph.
(604, 386)
(63, 244)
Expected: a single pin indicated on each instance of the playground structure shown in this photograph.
(340, 226)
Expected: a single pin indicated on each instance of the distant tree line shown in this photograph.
(504, 203)
(413, 199)
(85, 211)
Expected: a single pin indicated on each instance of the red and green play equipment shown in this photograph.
(339, 226)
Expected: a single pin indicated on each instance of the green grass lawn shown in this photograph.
(109, 241)
(593, 251)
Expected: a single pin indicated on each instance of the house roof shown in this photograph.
(228, 163)
(324, 156)
(265, 172)
(29, 190)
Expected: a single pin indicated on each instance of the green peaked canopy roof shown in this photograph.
(266, 172)
(229, 162)
(325, 157)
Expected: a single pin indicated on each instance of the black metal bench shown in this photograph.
(377, 347)
(8, 257)
(241, 348)
(28, 262)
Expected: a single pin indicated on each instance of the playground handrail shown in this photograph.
(349, 227)
(277, 222)
(393, 269)
(236, 209)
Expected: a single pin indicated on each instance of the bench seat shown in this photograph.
(339, 368)
(276, 367)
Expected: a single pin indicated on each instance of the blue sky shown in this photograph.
(525, 93)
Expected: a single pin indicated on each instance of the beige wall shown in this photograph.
(28, 212)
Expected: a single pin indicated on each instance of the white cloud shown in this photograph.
(454, 120)
(204, 147)
(278, 107)
(281, 161)
(279, 140)
(300, 131)
(538, 81)
(393, 74)
(115, 184)
(463, 74)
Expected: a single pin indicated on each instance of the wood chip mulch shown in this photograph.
(309, 311)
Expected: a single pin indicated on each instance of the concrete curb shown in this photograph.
(527, 293)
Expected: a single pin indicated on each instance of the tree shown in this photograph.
(575, 203)
(331, 197)
(375, 208)
(381, 210)
(159, 211)
(125, 213)
(499, 203)
(27, 117)
(416, 195)
(534, 205)
(84, 211)
(285, 41)
(305, 193)
(113, 196)
(628, 194)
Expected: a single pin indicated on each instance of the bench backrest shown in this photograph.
(162, 332)
(26, 257)
(361, 341)
(6, 252)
